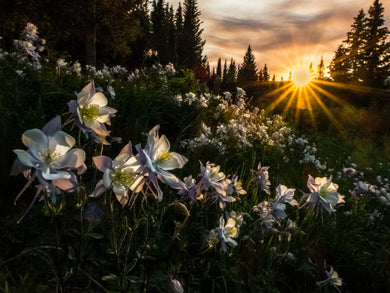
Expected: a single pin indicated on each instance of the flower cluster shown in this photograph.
(235, 126)
(226, 232)
(30, 46)
(212, 186)
(272, 211)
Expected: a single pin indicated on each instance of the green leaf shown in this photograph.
(110, 277)
(95, 235)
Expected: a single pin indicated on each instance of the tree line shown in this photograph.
(364, 57)
(110, 31)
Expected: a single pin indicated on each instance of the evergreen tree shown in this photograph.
(231, 84)
(321, 69)
(377, 49)
(261, 77)
(355, 41)
(224, 73)
(274, 78)
(248, 70)
(266, 75)
(179, 26)
(339, 66)
(192, 43)
(219, 68)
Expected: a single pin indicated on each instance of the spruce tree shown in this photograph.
(266, 75)
(192, 43)
(339, 68)
(321, 69)
(356, 52)
(377, 48)
(248, 70)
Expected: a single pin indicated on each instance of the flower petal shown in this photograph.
(35, 140)
(26, 159)
(72, 159)
(52, 126)
(61, 142)
(98, 99)
(102, 163)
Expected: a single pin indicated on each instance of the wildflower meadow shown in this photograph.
(119, 180)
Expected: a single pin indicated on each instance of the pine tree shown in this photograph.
(266, 75)
(377, 49)
(274, 78)
(321, 69)
(219, 68)
(356, 52)
(231, 84)
(339, 66)
(192, 43)
(248, 70)
(260, 75)
(224, 74)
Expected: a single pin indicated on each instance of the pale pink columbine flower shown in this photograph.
(225, 233)
(212, 177)
(51, 154)
(156, 160)
(323, 192)
(262, 178)
(121, 175)
(90, 111)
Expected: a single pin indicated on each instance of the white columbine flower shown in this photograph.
(120, 174)
(225, 233)
(324, 192)
(90, 111)
(50, 153)
(157, 160)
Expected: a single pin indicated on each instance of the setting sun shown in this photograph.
(301, 76)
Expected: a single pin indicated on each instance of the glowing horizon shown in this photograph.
(281, 33)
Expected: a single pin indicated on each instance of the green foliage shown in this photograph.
(98, 245)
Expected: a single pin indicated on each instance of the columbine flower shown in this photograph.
(262, 178)
(120, 174)
(224, 233)
(324, 192)
(90, 111)
(50, 153)
(157, 160)
(333, 279)
(212, 177)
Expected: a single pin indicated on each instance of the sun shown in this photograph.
(301, 76)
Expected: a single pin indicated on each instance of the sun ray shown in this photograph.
(273, 105)
(309, 106)
(337, 124)
(328, 94)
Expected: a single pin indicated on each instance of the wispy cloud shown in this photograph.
(281, 32)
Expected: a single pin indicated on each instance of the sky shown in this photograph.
(283, 34)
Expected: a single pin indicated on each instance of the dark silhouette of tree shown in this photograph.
(376, 47)
(274, 78)
(321, 69)
(260, 78)
(192, 43)
(339, 68)
(248, 71)
(231, 76)
(355, 41)
(266, 75)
